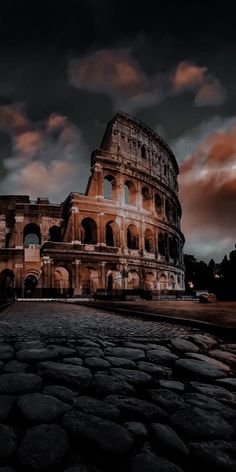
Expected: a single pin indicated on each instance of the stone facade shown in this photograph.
(124, 233)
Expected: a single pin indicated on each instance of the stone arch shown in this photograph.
(55, 234)
(132, 237)
(8, 239)
(158, 203)
(173, 247)
(150, 281)
(143, 152)
(109, 187)
(169, 210)
(32, 234)
(172, 282)
(146, 198)
(149, 240)
(116, 279)
(166, 169)
(30, 284)
(163, 280)
(90, 280)
(162, 244)
(133, 280)
(7, 284)
(112, 234)
(88, 231)
(129, 193)
(62, 279)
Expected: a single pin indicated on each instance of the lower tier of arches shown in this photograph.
(79, 278)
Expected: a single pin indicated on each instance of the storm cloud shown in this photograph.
(208, 190)
(117, 74)
(47, 157)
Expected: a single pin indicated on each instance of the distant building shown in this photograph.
(124, 233)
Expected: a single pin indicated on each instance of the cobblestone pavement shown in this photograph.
(87, 391)
(38, 320)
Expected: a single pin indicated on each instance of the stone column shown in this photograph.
(2, 231)
(46, 272)
(101, 236)
(50, 272)
(142, 237)
(18, 231)
(103, 275)
(75, 225)
(77, 281)
(99, 181)
(19, 280)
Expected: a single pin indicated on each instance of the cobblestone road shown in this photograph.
(34, 320)
(83, 390)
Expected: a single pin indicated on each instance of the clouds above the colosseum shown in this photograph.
(47, 156)
(208, 89)
(118, 74)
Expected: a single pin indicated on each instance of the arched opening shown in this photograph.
(172, 282)
(116, 279)
(8, 239)
(30, 284)
(112, 234)
(109, 187)
(89, 231)
(146, 198)
(150, 281)
(132, 237)
(129, 193)
(61, 281)
(90, 280)
(133, 280)
(55, 234)
(169, 214)
(163, 281)
(109, 235)
(143, 152)
(149, 241)
(158, 203)
(162, 244)
(7, 277)
(173, 247)
(32, 234)
(174, 216)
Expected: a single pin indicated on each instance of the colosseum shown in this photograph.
(123, 234)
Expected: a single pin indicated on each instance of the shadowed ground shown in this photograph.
(220, 313)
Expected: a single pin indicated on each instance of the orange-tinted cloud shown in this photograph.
(13, 117)
(106, 70)
(211, 92)
(29, 143)
(208, 188)
(45, 159)
(117, 74)
(56, 121)
(188, 75)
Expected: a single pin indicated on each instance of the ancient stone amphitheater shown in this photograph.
(122, 234)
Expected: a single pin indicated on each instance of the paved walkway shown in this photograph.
(82, 390)
(220, 313)
(32, 320)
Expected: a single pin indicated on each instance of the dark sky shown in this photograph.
(67, 67)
